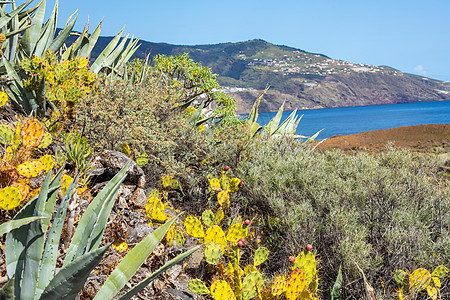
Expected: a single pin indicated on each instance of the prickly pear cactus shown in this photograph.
(261, 255)
(235, 232)
(233, 185)
(194, 227)
(214, 184)
(30, 169)
(6, 134)
(296, 285)
(279, 286)
(47, 161)
(223, 197)
(32, 133)
(208, 218)
(307, 262)
(22, 185)
(199, 287)
(155, 209)
(221, 290)
(3, 97)
(250, 268)
(219, 215)
(213, 252)
(215, 234)
(142, 160)
(46, 140)
(10, 197)
(252, 283)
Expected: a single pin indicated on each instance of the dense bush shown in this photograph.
(384, 212)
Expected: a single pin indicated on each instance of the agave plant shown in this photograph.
(39, 37)
(274, 128)
(32, 247)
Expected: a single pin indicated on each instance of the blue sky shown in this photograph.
(410, 35)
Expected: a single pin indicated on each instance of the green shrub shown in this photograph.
(385, 212)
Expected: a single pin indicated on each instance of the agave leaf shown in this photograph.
(141, 285)
(14, 224)
(48, 265)
(34, 246)
(34, 31)
(16, 239)
(114, 55)
(273, 124)
(336, 291)
(91, 226)
(253, 116)
(4, 20)
(99, 62)
(69, 281)
(312, 138)
(284, 127)
(48, 33)
(131, 262)
(197, 113)
(63, 35)
(86, 50)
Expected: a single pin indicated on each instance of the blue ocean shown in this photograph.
(350, 120)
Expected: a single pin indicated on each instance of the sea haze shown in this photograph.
(350, 120)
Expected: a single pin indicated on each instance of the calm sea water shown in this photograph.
(349, 120)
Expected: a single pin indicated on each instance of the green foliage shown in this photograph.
(31, 253)
(380, 211)
(182, 72)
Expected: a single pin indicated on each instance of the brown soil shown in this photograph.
(421, 138)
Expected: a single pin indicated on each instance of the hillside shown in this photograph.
(303, 79)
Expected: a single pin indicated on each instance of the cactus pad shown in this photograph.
(261, 255)
(32, 133)
(229, 271)
(194, 227)
(3, 98)
(440, 272)
(46, 140)
(419, 279)
(219, 215)
(221, 290)
(199, 287)
(10, 198)
(216, 235)
(307, 262)
(23, 187)
(235, 232)
(30, 168)
(208, 218)
(252, 283)
(213, 252)
(233, 185)
(223, 197)
(214, 184)
(155, 209)
(169, 182)
(6, 135)
(296, 284)
(279, 286)
(47, 161)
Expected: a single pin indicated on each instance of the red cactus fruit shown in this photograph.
(240, 243)
(309, 247)
(247, 222)
(242, 240)
(226, 168)
(292, 259)
(241, 184)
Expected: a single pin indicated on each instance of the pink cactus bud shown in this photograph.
(226, 168)
(292, 259)
(309, 247)
(240, 244)
(247, 222)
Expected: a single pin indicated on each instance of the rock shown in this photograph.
(108, 163)
(136, 233)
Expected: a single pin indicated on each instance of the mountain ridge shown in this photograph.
(301, 79)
